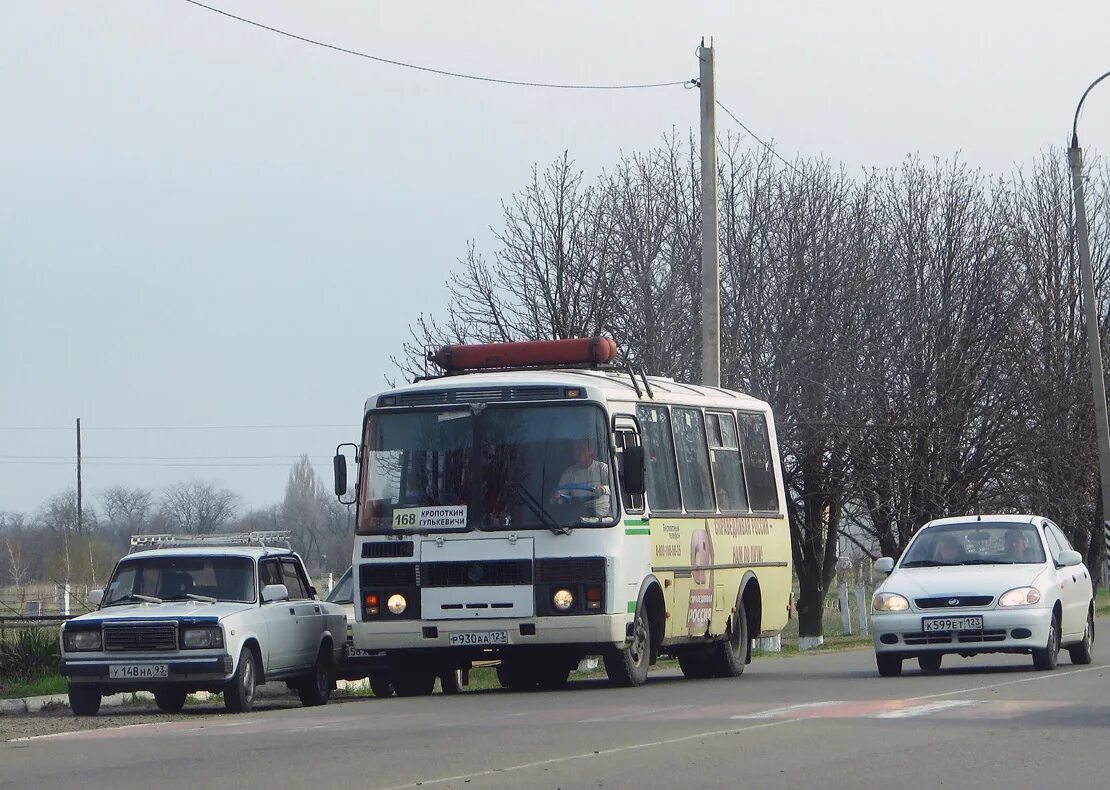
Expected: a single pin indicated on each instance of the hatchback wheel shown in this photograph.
(889, 664)
(1082, 653)
(1047, 656)
(930, 662)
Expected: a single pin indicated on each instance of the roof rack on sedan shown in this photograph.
(264, 538)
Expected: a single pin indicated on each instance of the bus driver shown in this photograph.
(585, 482)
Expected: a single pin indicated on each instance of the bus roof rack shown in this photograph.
(265, 538)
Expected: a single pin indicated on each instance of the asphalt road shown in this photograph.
(822, 721)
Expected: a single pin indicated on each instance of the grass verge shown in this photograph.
(44, 684)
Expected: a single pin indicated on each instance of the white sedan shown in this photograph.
(983, 584)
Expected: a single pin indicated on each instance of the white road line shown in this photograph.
(786, 710)
(711, 734)
(633, 714)
(924, 710)
(585, 755)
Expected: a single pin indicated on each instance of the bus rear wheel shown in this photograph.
(730, 655)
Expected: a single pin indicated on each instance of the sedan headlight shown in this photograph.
(889, 602)
(1020, 596)
(199, 638)
(84, 639)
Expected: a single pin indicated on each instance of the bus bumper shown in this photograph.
(591, 629)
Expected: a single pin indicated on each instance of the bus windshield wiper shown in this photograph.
(538, 510)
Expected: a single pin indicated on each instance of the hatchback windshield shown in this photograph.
(975, 543)
(520, 467)
(181, 578)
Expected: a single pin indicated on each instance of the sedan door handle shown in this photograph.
(317, 609)
(292, 610)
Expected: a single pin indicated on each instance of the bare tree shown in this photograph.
(197, 508)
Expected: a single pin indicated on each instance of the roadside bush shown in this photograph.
(28, 654)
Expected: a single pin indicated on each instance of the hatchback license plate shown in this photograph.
(137, 671)
(479, 638)
(973, 623)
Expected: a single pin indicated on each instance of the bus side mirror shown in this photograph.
(633, 471)
(340, 464)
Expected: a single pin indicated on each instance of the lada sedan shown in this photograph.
(205, 618)
(983, 584)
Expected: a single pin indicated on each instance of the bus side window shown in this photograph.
(693, 460)
(662, 476)
(626, 437)
(759, 470)
(724, 456)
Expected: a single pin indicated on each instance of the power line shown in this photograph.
(441, 72)
(176, 427)
(150, 464)
(295, 456)
(770, 148)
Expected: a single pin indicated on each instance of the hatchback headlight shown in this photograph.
(83, 639)
(889, 602)
(1020, 596)
(199, 638)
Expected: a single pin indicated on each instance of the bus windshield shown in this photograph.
(498, 467)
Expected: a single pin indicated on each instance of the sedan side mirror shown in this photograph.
(95, 597)
(1068, 559)
(884, 564)
(275, 592)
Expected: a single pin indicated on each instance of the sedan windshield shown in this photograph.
(975, 543)
(519, 467)
(181, 578)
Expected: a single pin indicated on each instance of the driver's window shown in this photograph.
(268, 573)
(627, 437)
(1054, 547)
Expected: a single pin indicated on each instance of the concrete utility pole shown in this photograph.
(78, 477)
(1094, 342)
(710, 243)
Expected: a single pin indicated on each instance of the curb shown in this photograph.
(24, 705)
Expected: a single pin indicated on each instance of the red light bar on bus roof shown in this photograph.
(533, 353)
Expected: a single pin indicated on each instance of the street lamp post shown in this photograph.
(1094, 346)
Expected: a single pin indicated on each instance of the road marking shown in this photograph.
(926, 709)
(785, 711)
(708, 734)
(586, 755)
(633, 714)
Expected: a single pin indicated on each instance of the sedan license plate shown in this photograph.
(933, 624)
(137, 671)
(479, 638)
(358, 652)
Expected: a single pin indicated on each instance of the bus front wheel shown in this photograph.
(628, 665)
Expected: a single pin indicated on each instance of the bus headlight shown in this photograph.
(562, 600)
(396, 603)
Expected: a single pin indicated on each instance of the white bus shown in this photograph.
(536, 505)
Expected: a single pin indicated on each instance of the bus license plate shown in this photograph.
(479, 638)
(932, 624)
(137, 671)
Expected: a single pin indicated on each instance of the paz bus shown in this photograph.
(536, 504)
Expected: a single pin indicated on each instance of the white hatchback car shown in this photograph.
(983, 584)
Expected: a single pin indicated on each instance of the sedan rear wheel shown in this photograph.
(315, 687)
(1047, 656)
(1082, 653)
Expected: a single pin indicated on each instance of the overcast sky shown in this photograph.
(206, 224)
